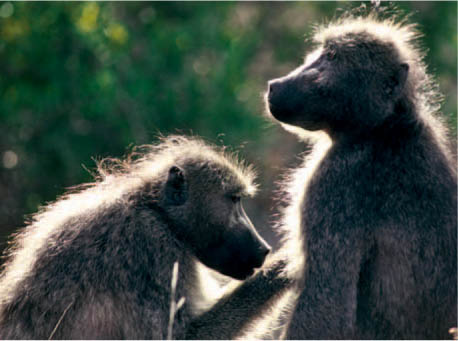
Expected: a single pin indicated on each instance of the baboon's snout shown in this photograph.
(260, 252)
(276, 97)
(272, 90)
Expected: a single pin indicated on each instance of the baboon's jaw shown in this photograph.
(241, 273)
(245, 275)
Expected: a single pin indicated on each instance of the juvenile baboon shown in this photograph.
(97, 263)
(376, 201)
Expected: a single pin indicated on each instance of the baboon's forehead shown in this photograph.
(362, 49)
(220, 174)
(362, 41)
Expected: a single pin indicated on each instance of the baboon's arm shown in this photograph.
(235, 311)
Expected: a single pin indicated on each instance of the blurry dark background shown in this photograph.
(87, 80)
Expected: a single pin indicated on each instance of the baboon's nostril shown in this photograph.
(263, 251)
(266, 251)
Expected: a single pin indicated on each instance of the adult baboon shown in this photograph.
(376, 201)
(97, 263)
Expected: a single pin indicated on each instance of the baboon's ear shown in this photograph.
(399, 79)
(176, 188)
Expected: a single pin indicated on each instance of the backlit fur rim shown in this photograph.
(114, 178)
(391, 26)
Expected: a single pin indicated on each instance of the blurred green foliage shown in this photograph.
(87, 79)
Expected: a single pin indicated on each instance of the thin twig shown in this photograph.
(174, 307)
(60, 320)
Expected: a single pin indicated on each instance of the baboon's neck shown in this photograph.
(186, 277)
(400, 120)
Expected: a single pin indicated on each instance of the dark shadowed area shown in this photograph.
(87, 80)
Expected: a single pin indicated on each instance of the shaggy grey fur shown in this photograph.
(97, 263)
(377, 214)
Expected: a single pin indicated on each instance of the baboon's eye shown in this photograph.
(330, 55)
(235, 198)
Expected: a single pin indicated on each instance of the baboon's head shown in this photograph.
(353, 82)
(202, 199)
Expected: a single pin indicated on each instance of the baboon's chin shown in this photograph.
(237, 272)
(282, 113)
(278, 114)
(242, 275)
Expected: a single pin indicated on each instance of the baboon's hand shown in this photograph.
(275, 266)
(234, 312)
